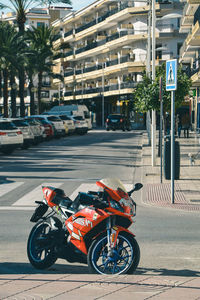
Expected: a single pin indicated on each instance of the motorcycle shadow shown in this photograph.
(26, 268)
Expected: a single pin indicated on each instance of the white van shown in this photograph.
(73, 110)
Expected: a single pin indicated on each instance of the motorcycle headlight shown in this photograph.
(114, 204)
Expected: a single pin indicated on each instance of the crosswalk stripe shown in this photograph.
(8, 187)
(27, 202)
(36, 194)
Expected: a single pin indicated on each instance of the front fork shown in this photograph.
(111, 235)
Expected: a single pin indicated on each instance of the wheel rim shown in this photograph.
(40, 246)
(120, 259)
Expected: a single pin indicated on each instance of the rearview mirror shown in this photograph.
(137, 187)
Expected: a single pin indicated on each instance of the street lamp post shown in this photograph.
(103, 108)
(153, 129)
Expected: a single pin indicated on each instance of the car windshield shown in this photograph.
(64, 117)
(43, 121)
(19, 123)
(54, 118)
(32, 122)
(7, 126)
(78, 118)
(116, 117)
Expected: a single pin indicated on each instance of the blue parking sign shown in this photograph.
(171, 75)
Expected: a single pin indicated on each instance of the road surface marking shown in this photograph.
(27, 202)
(36, 194)
(8, 187)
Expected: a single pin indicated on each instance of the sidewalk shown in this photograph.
(55, 284)
(187, 188)
(91, 287)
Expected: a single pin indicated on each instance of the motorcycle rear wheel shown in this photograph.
(40, 250)
(125, 258)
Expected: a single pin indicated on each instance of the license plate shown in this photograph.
(11, 134)
(114, 121)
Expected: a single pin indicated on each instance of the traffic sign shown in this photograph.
(171, 75)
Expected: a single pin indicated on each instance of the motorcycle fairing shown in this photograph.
(82, 223)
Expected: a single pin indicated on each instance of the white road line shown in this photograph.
(27, 202)
(17, 208)
(36, 194)
(8, 187)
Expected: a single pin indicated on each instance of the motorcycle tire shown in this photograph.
(125, 258)
(40, 256)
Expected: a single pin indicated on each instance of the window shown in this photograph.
(179, 45)
(40, 24)
(45, 94)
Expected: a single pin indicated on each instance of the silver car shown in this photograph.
(36, 129)
(11, 137)
(26, 131)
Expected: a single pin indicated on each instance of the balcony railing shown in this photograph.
(99, 90)
(68, 33)
(108, 39)
(103, 17)
(113, 62)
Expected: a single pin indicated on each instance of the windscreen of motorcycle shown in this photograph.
(112, 183)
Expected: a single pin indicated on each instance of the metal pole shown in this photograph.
(148, 69)
(153, 145)
(172, 144)
(59, 93)
(82, 83)
(161, 127)
(103, 95)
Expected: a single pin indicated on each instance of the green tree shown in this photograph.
(20, 7)
(146, 94)
(11, 49)
(41, 40)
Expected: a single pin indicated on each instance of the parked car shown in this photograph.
(26, 131)
(117, 121)
(69, 123)
(80, 124)
(36, 129)
(59, 129)
(48, 127)
(11, 137)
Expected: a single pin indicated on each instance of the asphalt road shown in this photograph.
(169, 239)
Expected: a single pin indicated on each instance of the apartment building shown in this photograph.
(36, 17)
(108, 51)
(190, 55)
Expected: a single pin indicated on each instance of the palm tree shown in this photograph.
(41, 39)
(12, 49)
(6, 42)
(20, 7)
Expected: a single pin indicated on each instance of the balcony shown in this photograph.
(110, 38)
(123, 59)
(68, 33)
(99, 90)
(103, 17)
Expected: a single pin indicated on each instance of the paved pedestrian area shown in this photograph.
(187, 188)
(73, 287)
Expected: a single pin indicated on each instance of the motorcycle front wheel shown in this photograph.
(124, 258)
(40, 248)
